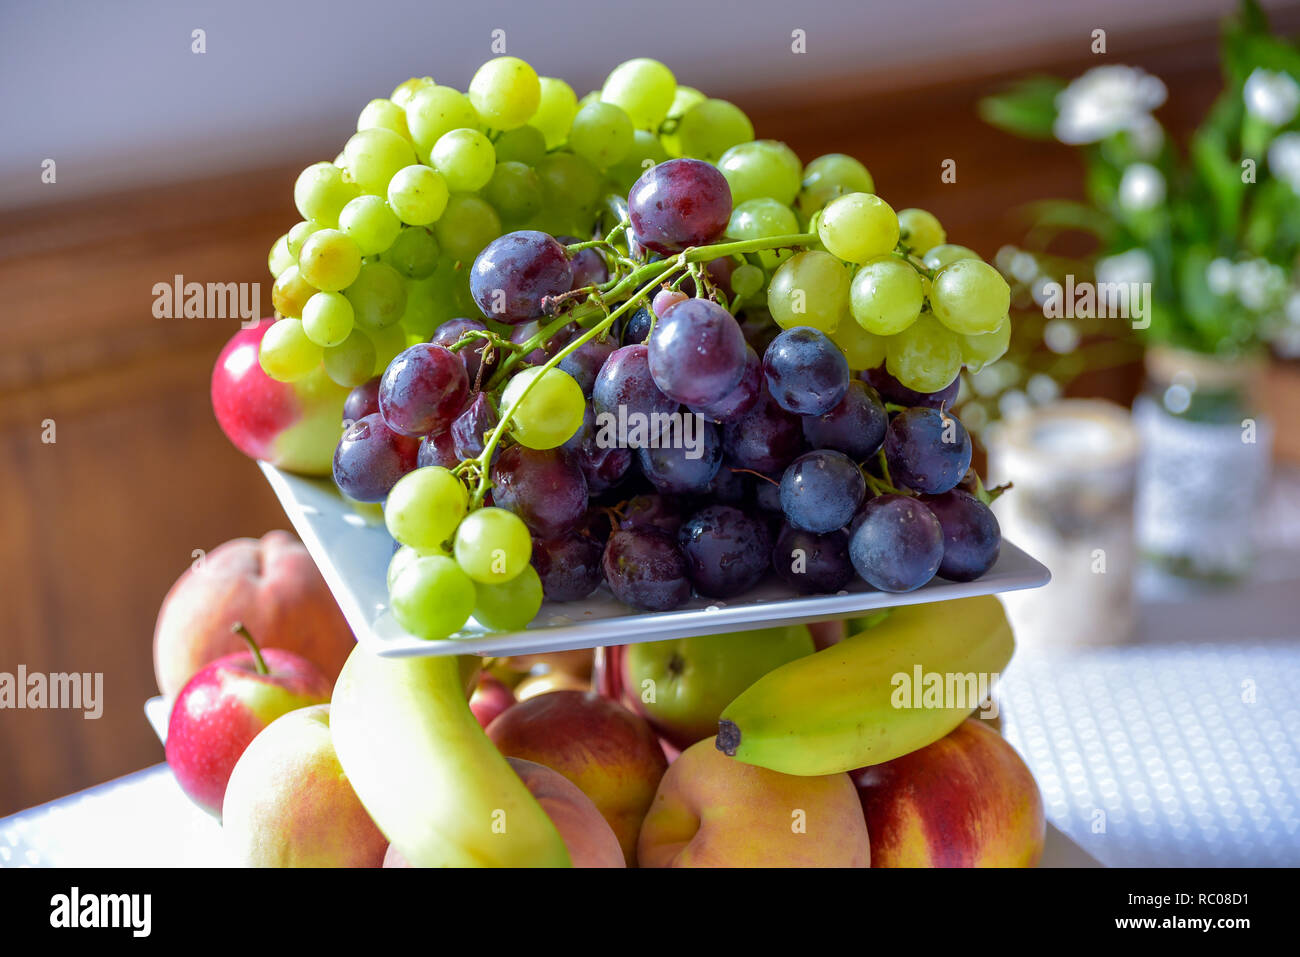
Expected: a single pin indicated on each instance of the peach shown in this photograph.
(715, 811)
(968, 800)
(289, 804)
(272, 586)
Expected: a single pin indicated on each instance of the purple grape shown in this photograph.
(726, 551)
(665, 299)
(972, 538)
(514, 274)
(719, 271)
(544, 487)
(821, 491)
(811, 563)
(927, 450)
(895, 393)
(644, 568)
(740, 399)
(561, 338)
(438, 449)
(680, 203)
(680, 470)
(805, 372)
(602, 465)
(635, 329)
(471, 426)
(855, 427)
(897, 545)
(766, 438)
(729, 487)
(585, 362)
(451, 331)
(625, 388)
(697, 352)
(589, 267)
(423, 389)
(657, 511)
(767, 494)
(371, 457)
(569, 566)
(363, 400)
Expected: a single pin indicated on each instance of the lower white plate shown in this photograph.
(351, 546)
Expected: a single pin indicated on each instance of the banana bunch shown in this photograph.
(859, 703)
(435, 785)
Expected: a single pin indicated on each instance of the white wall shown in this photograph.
(111, 90)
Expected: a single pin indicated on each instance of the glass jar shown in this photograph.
(1204, 464)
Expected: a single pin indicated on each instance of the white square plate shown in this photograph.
(352, 549)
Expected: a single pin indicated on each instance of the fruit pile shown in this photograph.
(619, 340)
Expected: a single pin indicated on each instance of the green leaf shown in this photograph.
(1027, 109)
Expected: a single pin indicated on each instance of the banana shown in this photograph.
(421, 765)
(864, 701)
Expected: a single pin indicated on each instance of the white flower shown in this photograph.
(1126, 268)
(1220, 277)
(1105, 100)
(1141, 187)
(1260, 284)
(1147, 136)
(1284, 159)
(1273, 97)
(1061, 336)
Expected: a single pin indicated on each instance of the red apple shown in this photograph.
(271, 585)
(606, 750)
(490, 698)
(292, 425)
(965, 801)
(227, 704)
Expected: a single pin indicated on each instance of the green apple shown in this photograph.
(681, 686)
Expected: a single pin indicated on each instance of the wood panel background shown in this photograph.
(96, 526)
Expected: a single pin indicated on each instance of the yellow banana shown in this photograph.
(433, 782)
(872, 697)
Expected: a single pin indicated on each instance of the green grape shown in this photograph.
(829, 176)
(550, 413)
(388, 342)
(384, 115)
(297, 235)
(329, 260)
(515, 190)
(505, 92)
(290, 292)
(747, 280)
(569, 184)
(352, 362)
(980, 351)
(465, 158)
(602, 134)
(321, 190)
(940, 256)
(763, 219)
(925, 356)
(406, 90)
(378, 296)
(809, 289)
(371, 223)
(643, 89)
(327, 319)
(466, 226)
(432, 598)
(511, 605)
(451, 292)
(421, 316)
(684, 100)
(279, 258)
(404, 556)
(763, 168)
(556, 107)
(434, 111)
(647, 151)
(858, 227)
(861, 349)
(886, 296)
(414, 253)
(920, 230)
(286, 354)
(493, 545)
(425, 506)
(970, 297)
(523, 144)
(418, 194)
(711, 128)
(373, 156)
